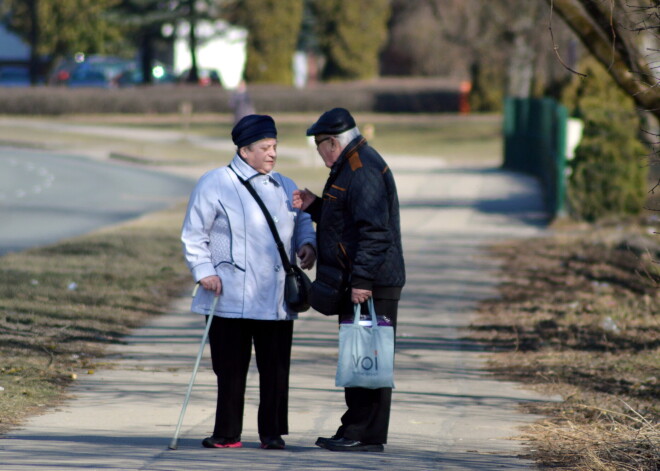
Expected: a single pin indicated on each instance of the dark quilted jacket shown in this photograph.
(358, 225)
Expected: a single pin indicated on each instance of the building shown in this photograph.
(13, 50)
(221, 48)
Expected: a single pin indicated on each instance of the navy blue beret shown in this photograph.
(334, 122)
(253, 128)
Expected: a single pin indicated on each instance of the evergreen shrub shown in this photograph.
(351, 34)
(274, 27)
(609, 171)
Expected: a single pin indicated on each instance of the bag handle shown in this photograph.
(280, 246)
(372, 312)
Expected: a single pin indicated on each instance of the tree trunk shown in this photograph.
(146, 59)
(521, 69)
(34, 42)
(193, 77)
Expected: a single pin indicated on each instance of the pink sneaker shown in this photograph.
(222, 442)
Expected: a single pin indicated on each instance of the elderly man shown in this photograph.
(358, 233)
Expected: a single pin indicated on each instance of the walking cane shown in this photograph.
(194, 373)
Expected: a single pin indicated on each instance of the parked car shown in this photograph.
(14, 76)
(90, 77)
(89, 71)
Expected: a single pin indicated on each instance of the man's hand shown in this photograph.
(307, 256)
(359, 296)
(212, 283)
(302, 199)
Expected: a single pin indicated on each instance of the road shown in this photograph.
(47, 196)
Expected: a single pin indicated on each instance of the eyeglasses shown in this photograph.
(318, 143)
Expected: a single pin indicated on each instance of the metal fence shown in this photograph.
(535, 143)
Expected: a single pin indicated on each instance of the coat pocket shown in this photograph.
(233, 288)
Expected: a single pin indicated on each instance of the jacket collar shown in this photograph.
(352, 146)
(243, 170)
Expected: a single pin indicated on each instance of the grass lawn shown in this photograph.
(447, 136)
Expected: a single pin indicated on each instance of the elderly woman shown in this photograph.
(232, 254)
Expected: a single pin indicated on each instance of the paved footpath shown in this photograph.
(447, 414)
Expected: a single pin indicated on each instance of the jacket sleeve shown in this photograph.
(314, 209)
(195, 233)
(370, 214)
(304, 230)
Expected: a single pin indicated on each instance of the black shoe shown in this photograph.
(272, 443)
(344, 444)
(222, 442)
(321, 440)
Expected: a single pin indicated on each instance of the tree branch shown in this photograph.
(555, 47)
(596, 29)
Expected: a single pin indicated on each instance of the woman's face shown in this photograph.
(261, 155)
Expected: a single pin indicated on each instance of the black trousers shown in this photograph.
(368, 416)
(231, 343)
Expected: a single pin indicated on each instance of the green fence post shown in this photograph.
(535, 143)
(561, 119)
(510, 133)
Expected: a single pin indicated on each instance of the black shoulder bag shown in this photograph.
(296, 283)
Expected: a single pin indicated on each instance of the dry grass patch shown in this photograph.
(612, 440)
(579, 316)
(61, 305)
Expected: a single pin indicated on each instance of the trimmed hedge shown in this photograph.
(388, 95)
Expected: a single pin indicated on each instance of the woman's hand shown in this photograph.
(212, 283)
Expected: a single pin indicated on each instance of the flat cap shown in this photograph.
(253, 128)
(335, 121)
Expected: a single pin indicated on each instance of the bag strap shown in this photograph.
(372, 312)
(280, 246)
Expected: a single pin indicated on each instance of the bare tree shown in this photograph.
(621, 35)
(493, 43)
(503, 35)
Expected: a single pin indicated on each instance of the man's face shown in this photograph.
(328, 148)
(261, 155)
